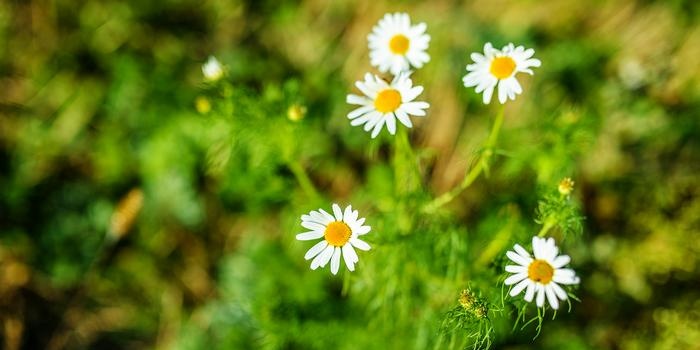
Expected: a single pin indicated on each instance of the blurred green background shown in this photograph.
(133, 216)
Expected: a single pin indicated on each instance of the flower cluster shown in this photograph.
(396, 47)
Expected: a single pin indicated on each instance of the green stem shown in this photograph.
(475, 171)
(548, 224)
(406, 172)
(303, 179)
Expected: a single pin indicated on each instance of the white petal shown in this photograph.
(530, 292)
(322, 259)
(519, 287)
(472, 79)
(537, 247)
(477, 57)
(360, 111)
(518, 259)
(328, 216)
(362, 230)
(350, 257)
(307, 236)
(540, 295)
(515, 85)
(515, 268)
(366, 118)
(565, 276)
(338, 212)
(487, 95)
(515, 278)
(317, 248)
(391, 123)
(347, 214)
(313, 226)
(372, 122)
(561, 294)
(320, 218)
(551, 297)
(502, 92)
(378, 127)
(560, 261)
(335, 260)
(403, 118)
(520, 250)
(359, 244)
(357, 100)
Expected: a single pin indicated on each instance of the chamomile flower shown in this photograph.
(395, 44)
(541, 275)
(499, 67)
(384, 103)
(339, 234)
(212, 69)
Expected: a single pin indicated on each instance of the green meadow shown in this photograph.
(163, 165)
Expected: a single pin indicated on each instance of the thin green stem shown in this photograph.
(406, 172)
(303, 179)
(548, 224)
(474, 173)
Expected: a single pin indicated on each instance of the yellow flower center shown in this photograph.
(540, 271)
(399, 44)
(502, 67)
(337, 233)
(387, 100)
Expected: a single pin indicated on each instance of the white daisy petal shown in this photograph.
(362, 230)
(561, 261)
(350, 257)
(403, 118)
(515, 278)
(357, 100)
(335, 261)
(359, 244)
(307, 236)
(520, 250)
(390, 123)
(530, 292)
(551, 297)
(320, 218)
(561, 294)
(360, 111)
(313, 226)
(519, 287)
(328, 216)
(540, 295)
(337, 212)
(317, 248)
(347, 214)
(322, 258)
(537, 248)
(487, 94)
(516, 268)
(518, 259)
(378, 127)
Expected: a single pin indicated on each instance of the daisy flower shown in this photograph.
(541, 275)
(212, 69)
(395, 44)
(339, 233)
(384, 102)
(498, 67)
